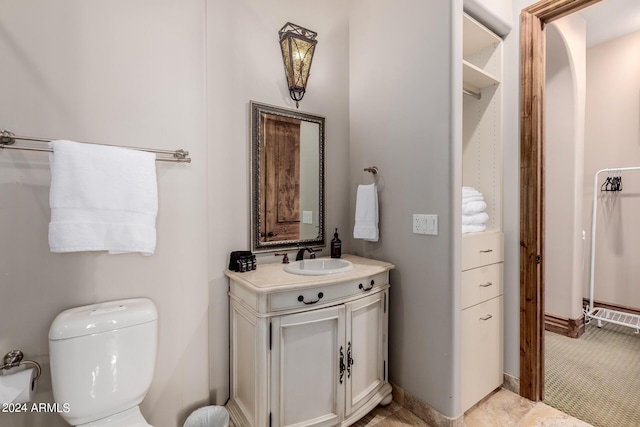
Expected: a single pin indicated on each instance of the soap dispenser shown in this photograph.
(336, 246)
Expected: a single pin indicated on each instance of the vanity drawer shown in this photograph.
(481, 284)
(321, 295)
(482, 249)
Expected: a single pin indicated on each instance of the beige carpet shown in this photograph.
(596, 377)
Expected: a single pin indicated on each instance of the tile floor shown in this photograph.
(502, 409)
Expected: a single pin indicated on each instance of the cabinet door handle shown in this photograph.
(486, 285)
(342, 367)
(367, 289)
(301, 299)
(349, 360)
(486, 251)
(487, 317)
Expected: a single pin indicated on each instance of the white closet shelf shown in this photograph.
(476, 37)
(474, 78)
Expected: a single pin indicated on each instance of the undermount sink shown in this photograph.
(319, 266)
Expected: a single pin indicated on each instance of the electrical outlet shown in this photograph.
(419, 224)
(425, 224)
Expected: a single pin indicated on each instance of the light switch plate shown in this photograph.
(307, 217)
(432, 224)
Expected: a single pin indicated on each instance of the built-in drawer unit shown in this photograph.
(482, 283)
(482, 315)
(480, 249)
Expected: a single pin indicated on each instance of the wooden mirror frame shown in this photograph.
(532, 82)
(258, 193)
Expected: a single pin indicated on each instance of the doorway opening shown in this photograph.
(532, 77)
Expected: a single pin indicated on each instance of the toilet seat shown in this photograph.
(129, 418)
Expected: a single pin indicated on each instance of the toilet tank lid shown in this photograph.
(102, 317)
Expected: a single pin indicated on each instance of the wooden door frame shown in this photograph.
(532, 73)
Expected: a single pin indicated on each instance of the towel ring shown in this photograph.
(372, 169)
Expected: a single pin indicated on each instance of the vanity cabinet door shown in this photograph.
(308, 358)
(366, 349)
(482, 350)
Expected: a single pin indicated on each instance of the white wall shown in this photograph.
(564, 165)
(401, 121)
(613, 140)
(135, 73)
(244, 63)
(121, 72)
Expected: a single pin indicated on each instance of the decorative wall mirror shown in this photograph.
(287, 178)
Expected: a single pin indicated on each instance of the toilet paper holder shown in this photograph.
(14, 358)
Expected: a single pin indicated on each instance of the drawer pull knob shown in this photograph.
(301, 299)
(486, 285)
(486, 251)
(366, 289)
(487, 317)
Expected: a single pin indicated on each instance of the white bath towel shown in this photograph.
(478, 219)
(102, 198)
(473, 207)
(473, 228)
(366, 226)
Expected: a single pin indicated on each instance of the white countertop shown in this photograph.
(272, 277)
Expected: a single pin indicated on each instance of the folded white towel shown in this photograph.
(468, 199)
(473, 207)
(102, 198)
(473, 228)
(470, 191)
(478, 219)
(366, 226)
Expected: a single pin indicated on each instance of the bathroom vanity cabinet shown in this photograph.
(308, 350)
(483, 252)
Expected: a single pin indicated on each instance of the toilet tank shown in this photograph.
(102, 357)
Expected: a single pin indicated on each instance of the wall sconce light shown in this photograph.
(298, 45)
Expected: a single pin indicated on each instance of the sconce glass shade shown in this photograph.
(298, 45)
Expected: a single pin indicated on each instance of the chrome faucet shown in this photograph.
(301, 252)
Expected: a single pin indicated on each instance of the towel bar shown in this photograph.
(8, 139)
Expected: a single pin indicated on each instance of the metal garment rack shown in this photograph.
(598, 313)
(8, 139)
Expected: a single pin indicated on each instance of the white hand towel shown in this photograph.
(473, 207)
(479, 219)
(366, 213)
(102, 198)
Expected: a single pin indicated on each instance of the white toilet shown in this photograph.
(102, 361)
